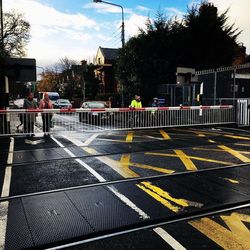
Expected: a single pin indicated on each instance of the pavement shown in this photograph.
(176, 188)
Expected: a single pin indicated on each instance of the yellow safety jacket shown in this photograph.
(135, 104)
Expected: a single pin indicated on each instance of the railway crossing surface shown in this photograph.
(176, 188)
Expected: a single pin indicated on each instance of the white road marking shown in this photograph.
(123, 198)
(91, 170)
(169, 239)
(4, 206)
(79, 143)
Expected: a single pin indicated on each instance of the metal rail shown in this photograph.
(2, 199)
(25, 163)
(159, 222)
(81, 120)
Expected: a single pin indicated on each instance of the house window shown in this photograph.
(99, 60)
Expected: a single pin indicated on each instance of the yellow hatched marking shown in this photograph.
(220, 150)
(159, 198)
(191, 157)
(165, 198)
(238, 137)
(209, 149)
(157, 169)
(122, 166)
(231, 180)
(129, 137)
(235, 153)
(242, 144)
(201, 135)
(186, 160)
(164, 134)
(211, 141)
(238, 237)
(165, 194)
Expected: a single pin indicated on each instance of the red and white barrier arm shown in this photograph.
(80, 110)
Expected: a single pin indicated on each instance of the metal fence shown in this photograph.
(80, 120)
(225, 83)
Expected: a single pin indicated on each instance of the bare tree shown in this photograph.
(65, 64)
(16, 33)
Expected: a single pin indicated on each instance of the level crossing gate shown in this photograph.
(14, 121)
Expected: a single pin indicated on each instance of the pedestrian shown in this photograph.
(135, 119)
(29, 119)
(155, 102)
(154, 114)
(136, 103)
(46, 103)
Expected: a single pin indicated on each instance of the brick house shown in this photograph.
(104, 60)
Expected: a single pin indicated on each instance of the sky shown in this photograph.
(76, 28)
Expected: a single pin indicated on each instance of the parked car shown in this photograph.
(53, 96)
(62, 103)
(96, 117)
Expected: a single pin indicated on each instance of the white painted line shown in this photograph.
(91, 170)
(169, 239)
(123, 198)
(129, 203)
(90, 139)
(4, 206)
(79, 143)
(236, 129)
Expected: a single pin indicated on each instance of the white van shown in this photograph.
(53, 96)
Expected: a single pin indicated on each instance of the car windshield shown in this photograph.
(63, 101)
(95, 105)
(53, 97)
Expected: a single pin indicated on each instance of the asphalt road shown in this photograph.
(190, 196)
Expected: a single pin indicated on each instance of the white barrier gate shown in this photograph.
(243, 112)
(80, 120)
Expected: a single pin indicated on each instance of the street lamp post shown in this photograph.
(1, 23)
(123, 25)
(122, 37)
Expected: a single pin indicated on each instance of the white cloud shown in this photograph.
(55, 34)
(238, 14)
(142, 8)
(133, 24)
(174, 12)
(106, 8)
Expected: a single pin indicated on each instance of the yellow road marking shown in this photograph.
(200, 135)
(235, 153)
(165, 194)
(231, 180)
(165, 198)
(186, 160)
(220, 150)
(159, 198)
(211, 141)
(209, 149)
(237, 238)
(191, 157)
(164, 134)
(242, 144)
(238, 137)
(122, 166)
(157, 169)
(129, 137)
